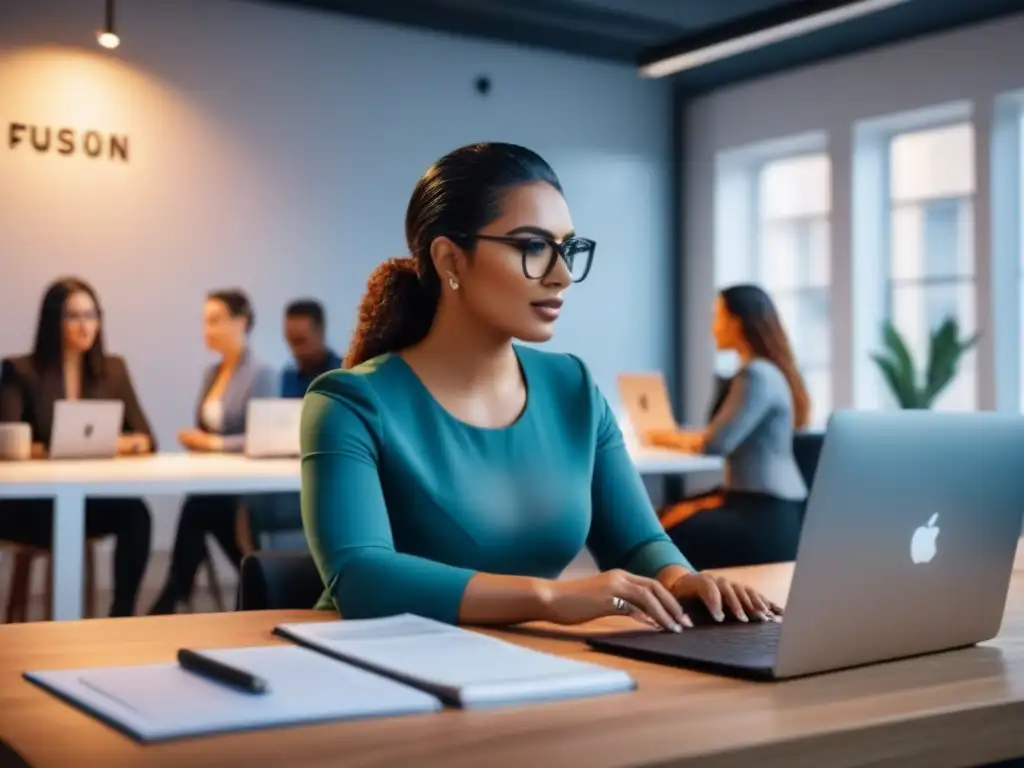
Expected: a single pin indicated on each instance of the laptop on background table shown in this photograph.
(86, 429)
(645, 398)
(907, 548)
(272, 427)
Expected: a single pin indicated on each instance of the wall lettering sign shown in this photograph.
(67, 141)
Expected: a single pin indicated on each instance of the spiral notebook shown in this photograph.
(461, 667)
(157, 702)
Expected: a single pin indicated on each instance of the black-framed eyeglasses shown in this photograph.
(540, 254)
(89, 315)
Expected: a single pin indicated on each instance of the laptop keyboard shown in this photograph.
(745, 646)
(732, 639)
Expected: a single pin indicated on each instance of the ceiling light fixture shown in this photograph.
(660, 64)
(107, 37)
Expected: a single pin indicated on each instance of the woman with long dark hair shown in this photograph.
(68, 362)
(755, 516)
(450, 473)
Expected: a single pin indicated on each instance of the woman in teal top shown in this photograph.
(451, 474)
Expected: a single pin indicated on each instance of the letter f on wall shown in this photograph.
(14, 133)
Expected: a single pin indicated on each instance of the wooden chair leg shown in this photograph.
(21, 585)
(48, 593)
(214, 582)
(19, 597)
(243, 531)
(89, 596)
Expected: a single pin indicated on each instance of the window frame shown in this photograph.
(892, 205)
(760, 225)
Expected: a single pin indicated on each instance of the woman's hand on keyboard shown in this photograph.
(614, 593)
(720, 594)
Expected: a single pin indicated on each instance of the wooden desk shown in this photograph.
(957, 709)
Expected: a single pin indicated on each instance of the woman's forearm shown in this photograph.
(494, 599)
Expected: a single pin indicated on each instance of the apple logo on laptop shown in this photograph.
(88, 431)
(922, 544)
(643, 402)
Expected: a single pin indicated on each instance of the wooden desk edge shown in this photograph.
(970, 734)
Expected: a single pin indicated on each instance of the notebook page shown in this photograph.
(163, 700)
(458, 664)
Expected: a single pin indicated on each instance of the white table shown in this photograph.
(659, 461)
(69, 483)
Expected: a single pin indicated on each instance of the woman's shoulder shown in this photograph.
(262, 368)
(18, 365)
(768, 377)
(763, 368)
(356, 385)
(114, 366)
(348, 399)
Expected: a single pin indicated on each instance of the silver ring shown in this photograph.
(620, 605)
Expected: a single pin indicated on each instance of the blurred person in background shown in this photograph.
(755, 517)
(227, 387)
(68, 362)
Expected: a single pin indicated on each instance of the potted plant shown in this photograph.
(945, 351)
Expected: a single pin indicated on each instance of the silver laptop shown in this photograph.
(907, 548)
(645, 398)
(272, 427)
(86, 429)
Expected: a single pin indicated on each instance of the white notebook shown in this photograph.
(157, 702)
(463, 668)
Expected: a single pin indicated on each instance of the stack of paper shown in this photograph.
(164, 701)
(463, 668)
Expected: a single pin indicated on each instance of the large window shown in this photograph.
(931, 259)
(792, 263)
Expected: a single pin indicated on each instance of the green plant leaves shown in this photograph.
(898, 368)
(945, 350)
(944, 354)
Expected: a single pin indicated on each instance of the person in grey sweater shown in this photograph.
(755, 516)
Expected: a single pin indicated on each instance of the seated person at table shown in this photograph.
(304, 329)
(755, 517)
(227, 388)
(68, 363)
(452, 474)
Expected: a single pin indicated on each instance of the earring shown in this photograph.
(453, 282)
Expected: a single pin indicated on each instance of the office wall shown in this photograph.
(276, 149)
(975, 64)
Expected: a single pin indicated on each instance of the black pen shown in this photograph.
(221, 672)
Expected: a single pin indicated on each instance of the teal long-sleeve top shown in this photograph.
(403, 504)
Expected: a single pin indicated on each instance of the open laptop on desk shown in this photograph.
(85, 429)
(645, 398)
(907, 548)
(272, 427)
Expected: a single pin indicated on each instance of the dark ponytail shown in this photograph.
(457, 196)
(396, 312)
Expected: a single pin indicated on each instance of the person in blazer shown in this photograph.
(68, 362)
(227, 387)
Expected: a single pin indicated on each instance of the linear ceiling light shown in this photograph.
(705, 54)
